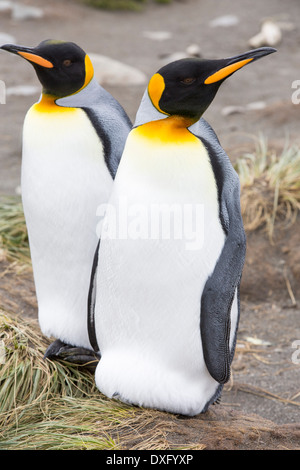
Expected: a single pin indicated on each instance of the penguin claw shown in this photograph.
(218, 400)
(72, 354)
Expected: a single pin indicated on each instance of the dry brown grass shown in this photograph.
(270, 187)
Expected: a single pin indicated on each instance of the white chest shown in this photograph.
(61, 154)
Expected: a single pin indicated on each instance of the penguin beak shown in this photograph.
(232, 64)
(28, 54)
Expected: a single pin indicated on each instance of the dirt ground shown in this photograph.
(266, 368)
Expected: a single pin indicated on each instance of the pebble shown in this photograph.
(229, 110)
(269, 35)
(193, 50)
(112, 72)
(19, 11)
(157, 35)
(26, 12)
(225, 21)
(255, 106)
(5, 5)
(257, 341)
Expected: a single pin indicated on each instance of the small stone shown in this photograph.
(225, 21)
(112, 72)
(269, 35)
(257, 341)
(193, 50)
(256, 105)
(228, 110)
(5, 5)
(25, 12)
(157, 35)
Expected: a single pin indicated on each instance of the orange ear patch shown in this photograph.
(89, 70)
(155, 89)
(36, 59)
(225, 71)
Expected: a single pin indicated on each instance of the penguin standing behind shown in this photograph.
(73, 139)
(167, 307)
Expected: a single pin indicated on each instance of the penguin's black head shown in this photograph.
(186, 87)
(63, 68)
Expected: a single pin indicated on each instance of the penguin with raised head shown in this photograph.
(167, 302)
(73, 140)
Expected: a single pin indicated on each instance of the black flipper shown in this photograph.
(91, 303)
(220, 288)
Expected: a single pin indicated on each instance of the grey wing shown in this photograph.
(220, 288)
(92, 302)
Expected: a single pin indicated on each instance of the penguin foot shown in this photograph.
(73, 354)
(218, 400)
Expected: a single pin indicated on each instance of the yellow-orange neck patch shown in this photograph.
(156, 87)
(171, 130)
(47, 105)
(225, 71)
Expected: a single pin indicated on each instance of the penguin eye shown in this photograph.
(188, 80)
(67, 62)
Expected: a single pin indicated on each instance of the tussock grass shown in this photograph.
(25, 377)
(45, 404)
(56, 405)
(13, 232)
(270, 187)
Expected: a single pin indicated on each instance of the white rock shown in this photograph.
(269, 35)
(228, 110)
(257, 341)
(193, 50)
(157, 35)
(6, 5)
(225, 21)
(112, 72)
(18, 190)
(7, 39)
(256, 105)
(167, 58)
(25, 12)
(22, 90)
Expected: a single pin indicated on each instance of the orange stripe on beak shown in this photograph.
(36, 59)
(224, 72)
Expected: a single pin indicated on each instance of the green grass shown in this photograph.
(13, 232)
(135, 5)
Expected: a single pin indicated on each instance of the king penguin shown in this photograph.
(73, 139)
(167, 302)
